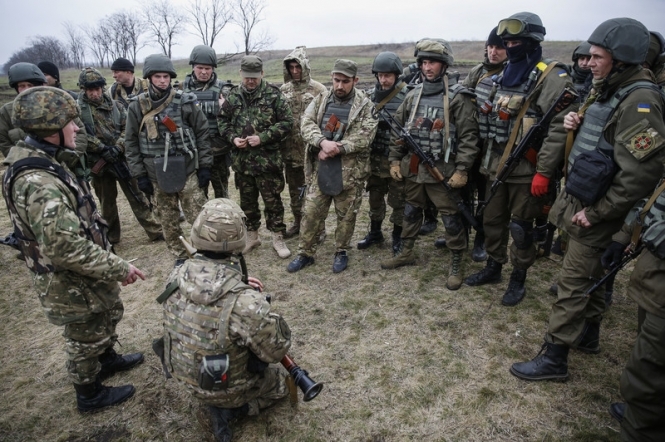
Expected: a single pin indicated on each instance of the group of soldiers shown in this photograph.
(166, 143)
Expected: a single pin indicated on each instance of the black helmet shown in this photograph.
(582, 50)
(25, 72)
(158, 63)
(656, 53)
(522, 25)
(434, 49)
(387, 62)
(625, 38)
(90, 78)
(203, 54)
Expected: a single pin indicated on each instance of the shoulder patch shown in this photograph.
(641, 139)
(643, 107)
(562, 73)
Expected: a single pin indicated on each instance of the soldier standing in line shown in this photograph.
(580, 72)
(338, 127)
(63, 240)
(256, 118)
(104, 121)
(167, 150)
(443, 119)
(519, 97)
(299, 89)
(126, 85)
(388, 93)
(616, 160)
(52, 74)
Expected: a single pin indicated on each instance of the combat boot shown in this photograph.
(95, 396)
(405, 256)
(478, 254)
(252, 241)
(552, 364)
(340, 261)
(294, 229)
(590, 340)
(454, 279)
(618, 411)
(221, 418)
(279, 246)
(373, 237)
(397, 238)
(429, 226)
(440, 243)
(113, 362)
(491, 273)
(516, 291)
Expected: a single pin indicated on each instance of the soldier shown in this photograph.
(442, 118)
(203, 83)
(299, 89)
(655, 60)
(338, 128)
(518, 98)
(104, 121)
(126, 85)
(167, 149)
(238, 353)
(616, 160)
(63, 240)
(256, 119)
(388, 93)
(52, 74)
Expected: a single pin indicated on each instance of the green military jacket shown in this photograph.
(482, 70)
(106, 120)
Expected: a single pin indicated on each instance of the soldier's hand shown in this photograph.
(395, 171)
(540, 185)
(579, 219)
(255, 283)
(329, 148)
(145, 185)
(612, 255)
(459, 179)
(253, 140)
(240, 143)
(111, 153)
(133, 275)
(571, 121)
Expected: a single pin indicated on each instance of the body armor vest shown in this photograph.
(381, 143)
(92, 224)
(207, 99)
(485, 93)
(341, 111)
(88, 120)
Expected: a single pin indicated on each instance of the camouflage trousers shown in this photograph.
(378, 187)
(106, 190)
(316, 210)
(219, 176)
(167, 205)
(270, 187)
(295, 179)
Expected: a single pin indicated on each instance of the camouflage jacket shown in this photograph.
(85, 280)
(119, 94)
(298, 95)
(106, 121)
(357, 139)
(263, 112)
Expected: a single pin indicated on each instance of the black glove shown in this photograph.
(254, 364)
(613, 255)
(146, 185)
(111, 153)
(204, 177)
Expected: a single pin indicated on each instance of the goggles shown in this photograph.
(515, 27)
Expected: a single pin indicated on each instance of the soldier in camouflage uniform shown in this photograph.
(251, 336)
(346, 148)
(63, 240)
(209, 90)
(167, 150)
(620, 123)
(256, 118)
(299, 90)
(388, 94)
(126, 85)
(104, 120)
(443, 119)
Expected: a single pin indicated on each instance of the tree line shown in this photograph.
(158, 22)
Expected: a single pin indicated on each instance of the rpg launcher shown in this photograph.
(310, 388)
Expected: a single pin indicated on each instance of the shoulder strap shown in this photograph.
(391, 95)
(158, 109)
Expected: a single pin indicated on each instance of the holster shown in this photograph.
(173, 179)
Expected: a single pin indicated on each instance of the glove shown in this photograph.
(459, 179)
(254, 364)
(540, 185)
(612, 255)
(145, 185)
(204, 177)
(394, 171)
(111, 153)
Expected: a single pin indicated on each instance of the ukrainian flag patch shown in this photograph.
(563, 73)
(643, 107)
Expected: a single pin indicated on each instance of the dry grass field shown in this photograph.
(402, 357)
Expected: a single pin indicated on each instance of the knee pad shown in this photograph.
(412, 214)
(522, 233)
(453, 224)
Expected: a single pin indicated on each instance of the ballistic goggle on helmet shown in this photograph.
(521, 25)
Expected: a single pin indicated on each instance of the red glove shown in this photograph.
(540, 185)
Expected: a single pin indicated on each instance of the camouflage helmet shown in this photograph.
(434, 49)
(43, 110)
(203, 54)
(387, 62)
(220, 227)
(91, 78)
(656, 53)
(522, 25)
(25, 72)
(625, 38)
(158, 63)
(582, 50)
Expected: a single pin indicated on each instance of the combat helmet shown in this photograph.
(25, 72)
(158, 63)
(387, 62)
(203, 54)
(625, 38)
(220, 227)
(435, 49)
(582, 50)
(522, 25)
(91, 78)
(43, 110)
(656, 53)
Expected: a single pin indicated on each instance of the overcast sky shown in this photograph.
(342, 22)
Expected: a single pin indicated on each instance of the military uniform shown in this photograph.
(123, 95)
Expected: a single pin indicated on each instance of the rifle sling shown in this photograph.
(637, 232)
(390, 96)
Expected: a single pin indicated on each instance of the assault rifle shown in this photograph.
(401, 132)
(529, 146)
(632, 253)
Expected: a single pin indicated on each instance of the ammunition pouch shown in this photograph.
(172, 178)
(591, 176)
(213, 372)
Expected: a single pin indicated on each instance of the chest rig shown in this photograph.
(108, 137)
(207, 99)
(381, 143)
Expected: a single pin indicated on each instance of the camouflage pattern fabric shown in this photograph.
(270, 187)
(120, 95)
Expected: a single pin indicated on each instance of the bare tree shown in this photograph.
(98, 44)
(42, 49)
(165, 23)
(209, 17)
(75, 44)
(248, 14)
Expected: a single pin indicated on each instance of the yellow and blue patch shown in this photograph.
(643, 107)
(562, 73)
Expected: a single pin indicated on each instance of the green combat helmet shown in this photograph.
(158, 63)
(25, 72)
(43, 110)
(220, 227)
(203, 54)
(91, 78)
(625, 38)
(435, 49)
(522, 25)
(656, 54)
(387, 62)
(582, 50)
